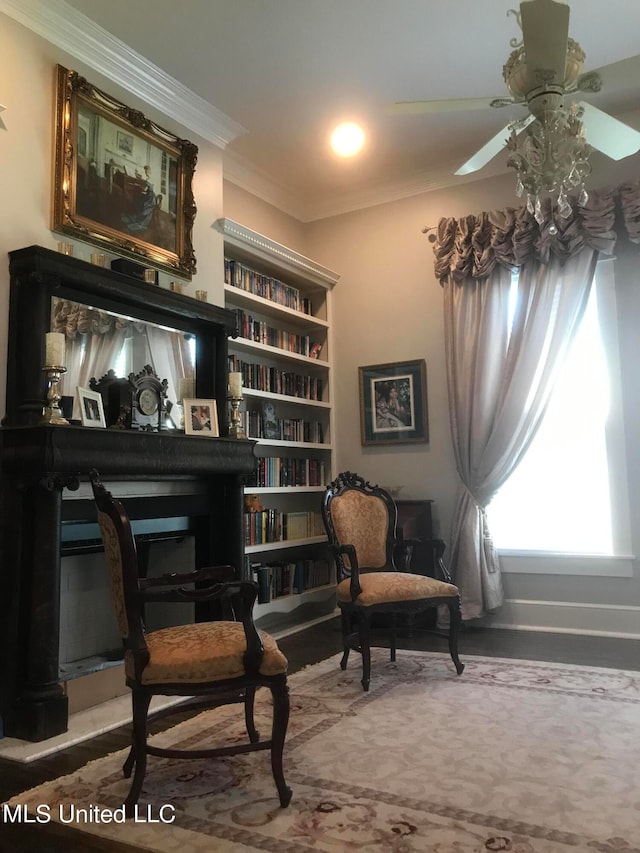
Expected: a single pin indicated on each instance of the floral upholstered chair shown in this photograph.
(360, 520)
(215, 663)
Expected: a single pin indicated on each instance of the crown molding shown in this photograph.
(78, 35)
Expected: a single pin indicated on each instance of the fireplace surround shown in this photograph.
(201, 478)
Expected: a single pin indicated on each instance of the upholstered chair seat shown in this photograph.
(206, 651)
(381, 587)
(361, 521)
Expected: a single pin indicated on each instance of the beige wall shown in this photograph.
(259, 215)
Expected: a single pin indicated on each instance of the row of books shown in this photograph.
(282, 429)
(238, 275)
(258, 331)
(271, 525)
(261, 377)
(281, 578)
(274, 471)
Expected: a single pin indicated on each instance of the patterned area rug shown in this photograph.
(512, 755)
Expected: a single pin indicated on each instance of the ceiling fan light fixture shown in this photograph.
(551, 157)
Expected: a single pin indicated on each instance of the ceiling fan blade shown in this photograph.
(450, 105)
(487, 152)
(545, 28)
(609, 135)
(620, 75)
(493, 147)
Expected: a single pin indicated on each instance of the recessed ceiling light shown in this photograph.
(347, 139)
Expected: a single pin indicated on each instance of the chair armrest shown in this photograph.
(352, 570)
(348, 551)
(237, 598)
(221, 574)
(201, 585)
(438, 547)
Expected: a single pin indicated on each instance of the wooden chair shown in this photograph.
(214, 663)
(360, 520)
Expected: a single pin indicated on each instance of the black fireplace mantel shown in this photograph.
(42, 463)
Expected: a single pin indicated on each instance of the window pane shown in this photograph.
(559, 497)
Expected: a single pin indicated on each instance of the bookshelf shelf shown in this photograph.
(284, 543)
(247, 346)
(282, 490)
(308, 445)
(283, 304)
(283, 398)
(251, 302)
(289, 603)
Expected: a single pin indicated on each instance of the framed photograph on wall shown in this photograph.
(393, 403)
(91, 408)
(201, 418)
(121, 182)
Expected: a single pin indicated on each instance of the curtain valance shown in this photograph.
(471, 247)
(74, 319)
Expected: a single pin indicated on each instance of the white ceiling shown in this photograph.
(289, 70)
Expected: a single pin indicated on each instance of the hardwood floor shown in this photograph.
(308, 647)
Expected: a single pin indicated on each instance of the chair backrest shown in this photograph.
(359, 514)
(120, 551)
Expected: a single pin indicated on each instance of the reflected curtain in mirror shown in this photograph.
(98, 341)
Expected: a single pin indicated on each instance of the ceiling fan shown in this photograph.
(544, 67)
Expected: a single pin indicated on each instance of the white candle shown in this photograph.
(186, 388)
(54, 349)
(235, 385)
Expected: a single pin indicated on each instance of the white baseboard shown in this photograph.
(567, 617)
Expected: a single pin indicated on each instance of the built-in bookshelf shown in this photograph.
(283, 350)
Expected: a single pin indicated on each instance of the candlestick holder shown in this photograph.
(235, 423)
(51, 412)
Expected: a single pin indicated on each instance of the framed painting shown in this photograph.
(121, 182)
(201, 418)
(393, 403)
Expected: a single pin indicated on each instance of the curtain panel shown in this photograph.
(501, 371)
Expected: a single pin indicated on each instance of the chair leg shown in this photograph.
(345, 620)
(365, 648)
(393, 636)
(280, 694)
(249, 701)
(455, 618)
(138, 753)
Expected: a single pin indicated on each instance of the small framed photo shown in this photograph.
(201, 418)
(91, 408)
(393, 403)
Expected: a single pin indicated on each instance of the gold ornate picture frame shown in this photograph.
(121, 182)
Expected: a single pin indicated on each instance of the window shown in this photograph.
(569, 495)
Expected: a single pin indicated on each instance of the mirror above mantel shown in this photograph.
(101, 343)
(143, 324)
